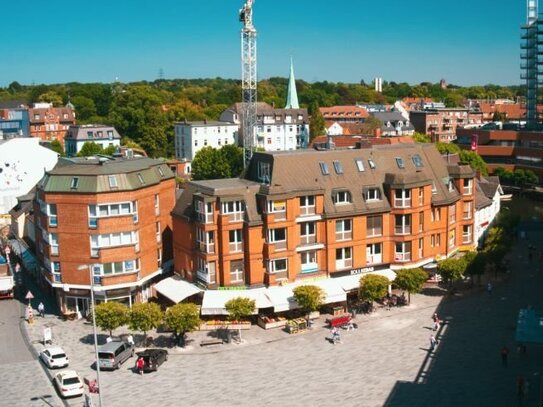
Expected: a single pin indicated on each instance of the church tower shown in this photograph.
(292, 95)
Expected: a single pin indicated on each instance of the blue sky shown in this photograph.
(465, 42)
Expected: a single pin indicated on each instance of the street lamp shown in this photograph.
(91, 277)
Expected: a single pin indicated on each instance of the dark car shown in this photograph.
(152, 358)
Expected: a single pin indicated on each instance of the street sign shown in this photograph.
(29, 295)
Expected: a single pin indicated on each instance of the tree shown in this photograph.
(233, 155)
(411, 280)
(317, 125)
(239, 308)
(445, 148)
(476, 264)
(474, 160)
(51, 97)
(209, 163)
(57, 147)
(451, 270)
(421, 138)
(182, 318)
(373, 287)
(309, 297)
(84, 107)
(499, 117)
(111, 315)
(145, 316)
(14, 87)
(90, 148)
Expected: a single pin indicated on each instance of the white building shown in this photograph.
(22, 164)
(487, 205)
(77, 136)
(191, 137)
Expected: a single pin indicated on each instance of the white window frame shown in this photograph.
(235, 245)
(344, 257)
(112, 180)
(264, 172)
(308, 261)
(359, 164)
(468, 210)
(157, 204)
(467, 189)
(275, 207)
(344, 229)
(452, 213)
(98, 269)
(272, 265)
(374, 253)
(371, 230)
(372, 194)
(235, 212)
(306, 206)
(158, 232)
(402, 251)
(341, 197)
(402, 198)
(306, 236)
(53, 243)
(205, 215)
(52, 214)
(403, 227)
(238, 274)
(467, 234)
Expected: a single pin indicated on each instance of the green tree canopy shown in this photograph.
(56, 146)
(51, 97)
(145, 317)
(111, 315)
(474, 160)
(90, 148)
(317, 125)
(421, 138)
(309, 297)
(85, 108)
(233, 155)
(451, 269)
(239, 308)
(373, 287)
(210, 163)
(411, 280)
(182, 318)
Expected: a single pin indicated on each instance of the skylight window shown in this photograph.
(371, 163)
(338, 167)
(75, 183)
(140, 178)
(417, 161)
(161, 171)
(399, 162)
(359, 164)
(324, 168)
(113, 181)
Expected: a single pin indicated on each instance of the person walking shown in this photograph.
(433, 342)
(41, 309)
(520, 387)
(504, 353)
(489, 287)
(139, 365)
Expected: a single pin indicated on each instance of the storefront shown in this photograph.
(350, 280)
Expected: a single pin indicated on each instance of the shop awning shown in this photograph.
(214, 300)
(333, 290)
(349, 283)
(176, 289)
(282, 298)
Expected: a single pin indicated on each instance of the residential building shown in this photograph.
(323, 214)
(276, 129)
(14, 123)
(512, 111)
(50, 123)
(510, 149)
(344, 113)
(488, 194)
(191, 137)
(441, 124)
(23, 162)
(111, 215)
(78, 135)
(394, 124)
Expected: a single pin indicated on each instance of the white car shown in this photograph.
(54, 357)
(69, 384)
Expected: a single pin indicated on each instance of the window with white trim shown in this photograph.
(374, 253)
(421, 221)
(278, 237)
(52, 214)
(264, 172)
(344, 229)
(341, 197)
(111, 210)
(344, 258)
(119, 267)
(452, 213)
(140, 178)
(234, 210)
(338, 167)
(434, 188)
(324, 168)
(112, 179)
(53, 243)
(467, 234)
(372, 194)
(402, 225)
(421, 196)
(468, 209)
(421, 248)
(277, 265)
(452, 238)
(399, 163)
(113, 240)
(307, 233)
(374, 225)
(371, 163)
(307, 205)
(467, 188)
(436, 214)
(204, 211)
(157, 204)
(235, 240)
(402, 251)
(237, 271)
(206, 271)
(278, 208)
(308, 261)
(158, 232)
(402, 198)
(74, 184)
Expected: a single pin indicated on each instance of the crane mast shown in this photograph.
(248, 80)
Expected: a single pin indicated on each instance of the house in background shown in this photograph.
(191, 137)
(50, 123)
(78, 135)
(344, 114)
(394, 124)
(14, 122)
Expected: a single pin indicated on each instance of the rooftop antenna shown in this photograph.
(248, 80)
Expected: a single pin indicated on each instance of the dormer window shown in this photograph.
(372, 194)
(341, 197)
(263, 172)
(450, 185)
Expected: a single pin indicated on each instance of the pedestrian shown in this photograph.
(437, 324)
(489, 287)
(130, 340)
(520, 387)
(504, 353)
(41, 309)
(139, 365)
(433, 342)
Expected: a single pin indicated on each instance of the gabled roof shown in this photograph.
(344, 111)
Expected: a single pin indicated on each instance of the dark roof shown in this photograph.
(12, 104)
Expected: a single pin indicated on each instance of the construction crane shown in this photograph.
(248, 80)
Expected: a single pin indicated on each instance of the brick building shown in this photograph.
(346, 212)
(50, 123)
(441, 124)
(353, 114)
(112, 215)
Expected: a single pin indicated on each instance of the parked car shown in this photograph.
(54, 357)
(68, 383)
(114, 353)
(152, 358)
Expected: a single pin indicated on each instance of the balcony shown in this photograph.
(308, 239)
(204, 217)
(206, 247)
(402, 203)
(374, 259)
(346, 235)
(344, 264)
(402, 230)
(307, 210)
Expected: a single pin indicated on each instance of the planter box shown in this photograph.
(206, 327)
(270, 325)
(314, 315)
